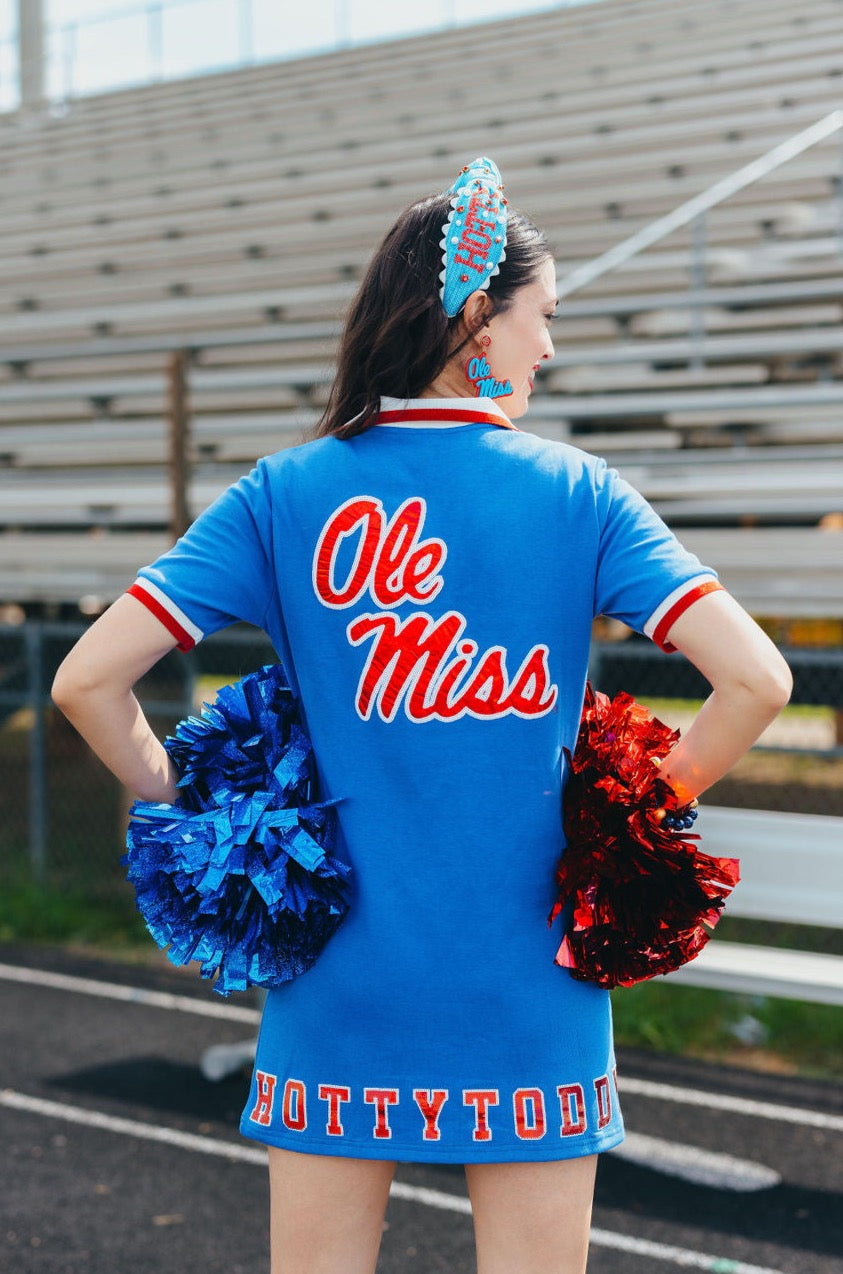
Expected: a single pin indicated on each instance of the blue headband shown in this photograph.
(474, 236)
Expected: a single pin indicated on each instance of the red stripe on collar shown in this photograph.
(461, 416)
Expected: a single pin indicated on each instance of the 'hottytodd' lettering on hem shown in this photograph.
(475, 1114)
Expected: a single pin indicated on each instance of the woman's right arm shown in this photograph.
(93, 688)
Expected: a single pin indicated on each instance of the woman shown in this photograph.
(429, 575)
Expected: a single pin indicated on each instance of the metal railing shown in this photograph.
(693, 212)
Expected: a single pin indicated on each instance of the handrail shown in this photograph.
(700, 204)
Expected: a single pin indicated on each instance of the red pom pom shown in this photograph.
(642, 898)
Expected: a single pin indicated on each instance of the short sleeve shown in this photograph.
(644, 575)
(220, 571)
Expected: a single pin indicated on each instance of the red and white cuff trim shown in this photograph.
(665, 616)
(174, 620)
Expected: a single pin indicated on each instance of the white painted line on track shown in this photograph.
(684, 1257)
(131, 1127)
(738, 1105)
(430, 1198)
(128, 994)
(690, 1163)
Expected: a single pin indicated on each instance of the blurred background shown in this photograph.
(189, 193)
(96, 45)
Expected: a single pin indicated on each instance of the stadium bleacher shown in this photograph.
(232, 215)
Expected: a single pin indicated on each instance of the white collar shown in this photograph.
(441, 413)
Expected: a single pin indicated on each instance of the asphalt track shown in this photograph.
(120, 1158)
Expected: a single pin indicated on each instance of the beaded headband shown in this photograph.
(474, 236)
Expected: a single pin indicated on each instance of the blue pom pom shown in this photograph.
(240, 874)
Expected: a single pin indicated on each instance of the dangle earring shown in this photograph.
(479, 374)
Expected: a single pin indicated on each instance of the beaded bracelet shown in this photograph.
(683, 817)
(680, 820)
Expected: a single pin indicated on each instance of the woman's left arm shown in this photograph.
(93, 688)
(750, 681)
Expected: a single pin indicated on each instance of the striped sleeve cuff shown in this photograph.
(665, 616)
(171, 616)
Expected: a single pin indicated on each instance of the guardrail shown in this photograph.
(693, 212)
(772, 888)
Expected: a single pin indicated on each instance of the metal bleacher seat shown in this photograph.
(795, 571)
(767, 843)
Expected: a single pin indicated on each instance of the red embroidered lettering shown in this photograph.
(381, 1099)
(466, 255)
(532, 693)
(334, 1095)
(366, 515)
(404, 658)
(481, 1099)
(403, 566)
(390, 560)
(530, 1126)
(604, 1101)
(488, 686)
(409, 659)
(421, 568)
(262, 1113)
(476, 238)
(430, 1103)
(572, 1105)
(418, 661)
(294, 1107)
(487, 228)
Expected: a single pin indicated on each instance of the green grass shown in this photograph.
(796, 711)
(58, 915)
(787, 1036)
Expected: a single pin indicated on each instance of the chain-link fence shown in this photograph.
(63, 816)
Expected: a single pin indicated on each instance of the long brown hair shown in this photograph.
(397, 337)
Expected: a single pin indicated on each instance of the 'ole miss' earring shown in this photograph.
(480, 375)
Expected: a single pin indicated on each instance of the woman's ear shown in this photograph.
(477, 312)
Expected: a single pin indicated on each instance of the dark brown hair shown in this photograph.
(397, 336)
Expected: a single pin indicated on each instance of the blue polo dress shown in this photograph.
(429, 587)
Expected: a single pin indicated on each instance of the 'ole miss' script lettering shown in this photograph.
(427, 662)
